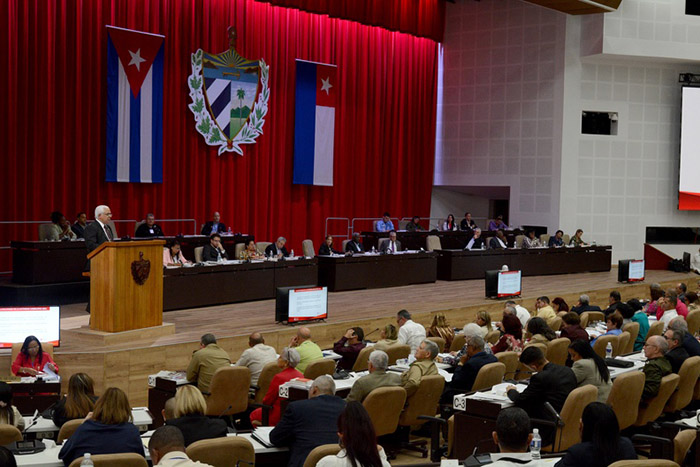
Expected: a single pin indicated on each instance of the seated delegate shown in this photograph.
(9, 415)
(385, 224)
(556, 240)
(449, 224)
(190, 418)
(61, 228)
(326, 248)
(355, 245)
(414, 225)
(149, 228)
(288, 360)
(214, 251)
(32, 360)
(172, 255)
(467, 223)
(250, 252)
(277, 249)
(214, 225)
(108, 431)
(476, 242)
(78, 402)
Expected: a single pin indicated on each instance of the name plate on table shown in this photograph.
(459, 402)
(284, 391)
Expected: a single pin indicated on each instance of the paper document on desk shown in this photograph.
(497, 392)
(180, 377)
(262, 435)
(49, 374)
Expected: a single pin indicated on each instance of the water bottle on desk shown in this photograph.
(87, 460)
(608, 350)
(291, 255)
(536, 444)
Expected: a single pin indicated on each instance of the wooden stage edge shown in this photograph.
(126, 364)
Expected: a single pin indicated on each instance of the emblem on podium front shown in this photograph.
(229, 96)
(140, 269)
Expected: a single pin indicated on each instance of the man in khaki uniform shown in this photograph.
(205, 361)
(423, 366)
(377, 377)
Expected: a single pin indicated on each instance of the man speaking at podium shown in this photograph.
(98, 232)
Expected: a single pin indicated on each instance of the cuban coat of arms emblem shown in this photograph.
(229, 97)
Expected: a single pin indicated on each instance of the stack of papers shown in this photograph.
(300, 383)
(497, 393)
(180, 377)
(262, 435)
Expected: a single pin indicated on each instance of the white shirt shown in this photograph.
(523, 314)
(255, 359)
(179, 459)
(411, 333)
(341, 460)
(668, 316)
(695, 262)
(105, 230)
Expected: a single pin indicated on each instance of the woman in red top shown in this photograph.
(287, 361)
(31, 359)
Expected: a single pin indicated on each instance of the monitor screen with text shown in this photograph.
(509, 283)
(308, 303)
(18, 323)
(688, 180)
(636, 270)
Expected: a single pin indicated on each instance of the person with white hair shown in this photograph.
(277, 249)
(465, 375)
(690, 343)
(423, 366)
(656, 367)
(470, 329)
(98, 232)
(287, 361)
(311, 422)
(378, 377)
(520, 311)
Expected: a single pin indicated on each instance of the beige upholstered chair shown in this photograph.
(45, 231)
(381, 243)
(594, 316)
(229, 387)
(644, 463)
(458, 342)
(439, 341)
(544, 239)
(492, 337)
(625, 396)
(319, 452)
(260, 246)
(489, 375)
(633, 329)
(68, 429)
(432, 243)
(423, 402)
(138, 224)
(345, 243)
(693, 320)
(602, 342)
(17, 346)
(688, 377)
(585, 317)
(384, 406)
(222, 452)
(566, 238)
(555, 323)
(362, 359)
(307, 248)
(519, 241)
(198, 254)
(322, 366)
(510, 360)
(557, 350)
(403, 223)
(268, 372)
(655, 405)
(114, 460)
(397, 352)
(682, 443)
(570, 414)
(656, 329)
(237, 250)
(8, 434)
(623, 342)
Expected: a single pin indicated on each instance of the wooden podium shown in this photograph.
(126, 285)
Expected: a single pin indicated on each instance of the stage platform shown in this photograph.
(127, 364)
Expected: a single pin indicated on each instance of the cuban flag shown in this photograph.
(314, 124)
(134, 106)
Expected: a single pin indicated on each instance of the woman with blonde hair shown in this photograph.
(483, 319)
(106, 430)
(440, 328)
(190, 418)
(79, 401)
(389, 335)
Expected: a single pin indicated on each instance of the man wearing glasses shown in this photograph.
(98, 232)
(657, 365)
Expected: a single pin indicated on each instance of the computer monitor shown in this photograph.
(19, 322)
(630, 270)
(502, 284)
(301, 303)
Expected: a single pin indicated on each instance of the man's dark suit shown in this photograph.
(272, 250)
(145, 231)
(612, 308)
(385, 246)
(494, 244)
(94, 237)
(354, 247)
(209, 253)
(677, 356)
(206, 230)
(691, 345)
(553, 384)
(465, 375)
(325, 250)
(307, 424)
(584, 308)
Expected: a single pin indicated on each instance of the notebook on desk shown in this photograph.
(262, 435)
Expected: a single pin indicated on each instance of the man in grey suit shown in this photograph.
(377, 377)
(98, 232)
(392, 246)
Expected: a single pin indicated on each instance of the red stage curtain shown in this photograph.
(425, 18)
(53, 77)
